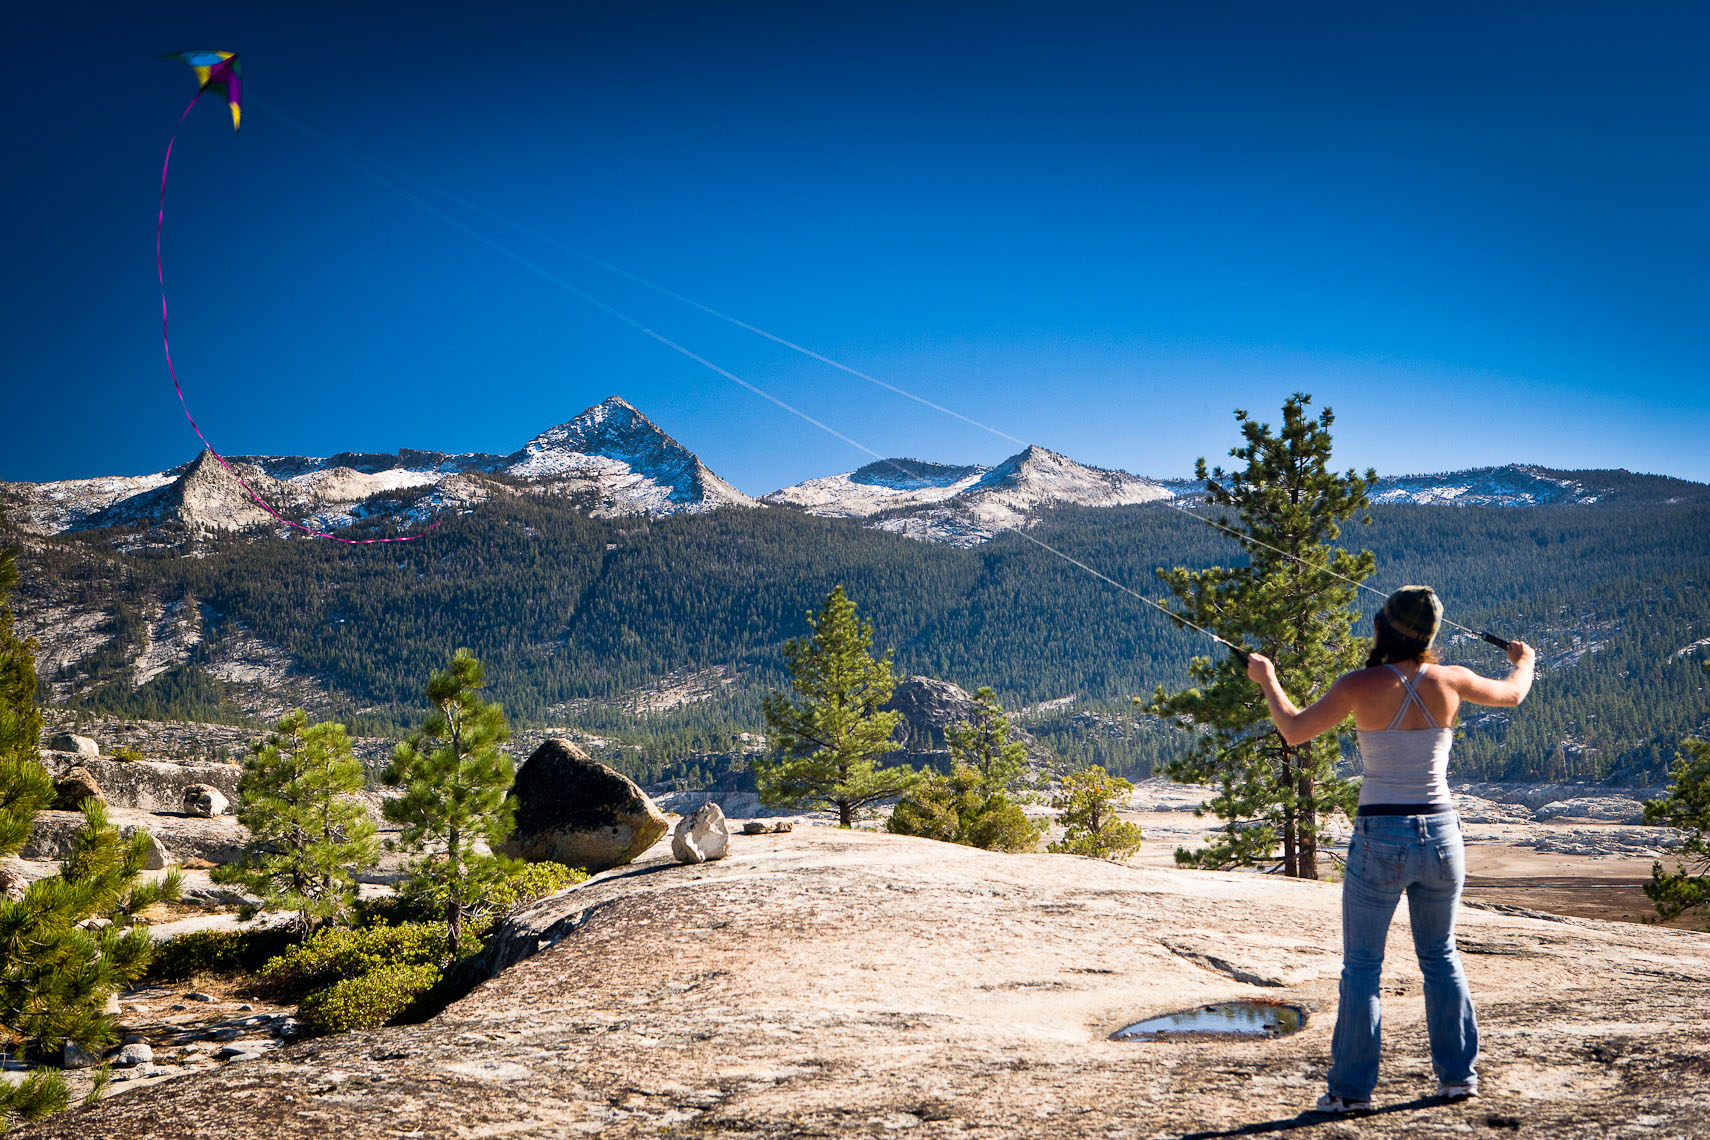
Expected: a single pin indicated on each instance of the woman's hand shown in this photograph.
(1261, 671)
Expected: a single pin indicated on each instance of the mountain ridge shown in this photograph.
(611, 460)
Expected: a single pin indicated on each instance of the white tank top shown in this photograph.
(1407, 765)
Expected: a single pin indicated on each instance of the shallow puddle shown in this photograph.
(1224, 1019)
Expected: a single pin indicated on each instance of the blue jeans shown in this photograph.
(1423, 856)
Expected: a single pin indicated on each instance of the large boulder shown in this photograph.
(71, 742)
(205, 800)
(701, 836)
(574, 810)
(928, 703)
(71, 789)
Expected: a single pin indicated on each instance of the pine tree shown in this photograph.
(456, 784)
(1293, 608)
(71, 941)
(973, 804)
(1088, 802)
(25, 786)
(1686, 806)
(824, 746)
(308, 837)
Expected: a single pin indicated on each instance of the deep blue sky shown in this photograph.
(1480, 232)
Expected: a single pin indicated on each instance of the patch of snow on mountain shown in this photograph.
(1037, 477)
(1511, 486)
(458, 492)
(883, 486)
(965, 506)
(50, 508)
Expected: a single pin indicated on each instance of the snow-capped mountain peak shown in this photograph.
(625, 461)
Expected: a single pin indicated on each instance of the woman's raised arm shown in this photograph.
(1297, 726)
(1509, 690)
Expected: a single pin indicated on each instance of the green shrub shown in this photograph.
(964, 808)
(531, 881)
(215, 952)
(1089, 800)
(331, 955)
(367, 1001)
(128, 754)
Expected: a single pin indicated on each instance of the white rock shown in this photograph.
(205, 800)
(139, 1054)
(158, 856)
(71, 742)
(701, 835)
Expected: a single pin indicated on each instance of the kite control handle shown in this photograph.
(1494, 640)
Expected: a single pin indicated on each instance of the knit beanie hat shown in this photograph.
(1412, 614)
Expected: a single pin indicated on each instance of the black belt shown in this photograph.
(1402, 809)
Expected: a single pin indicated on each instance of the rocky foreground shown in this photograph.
(831, 983)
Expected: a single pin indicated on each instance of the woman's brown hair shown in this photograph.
(1389, 647)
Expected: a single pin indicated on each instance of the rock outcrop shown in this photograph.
(574, 810)
(853, 984)
(927, 702)
(155, 786)
(178, 838)
(701, 836)
(929, 708)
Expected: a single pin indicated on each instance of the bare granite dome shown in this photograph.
(836, 983)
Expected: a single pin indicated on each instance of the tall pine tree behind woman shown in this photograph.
(1289, 604)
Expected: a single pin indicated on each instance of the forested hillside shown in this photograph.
(576, 616)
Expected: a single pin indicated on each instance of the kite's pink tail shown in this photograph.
(166, 343)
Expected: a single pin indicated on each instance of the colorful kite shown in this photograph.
(218, 71)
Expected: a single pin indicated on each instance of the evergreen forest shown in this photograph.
(576, 616)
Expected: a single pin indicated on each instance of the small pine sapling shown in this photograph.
(456, 787)
(825, 744)
(308, 836)
(1088, 801)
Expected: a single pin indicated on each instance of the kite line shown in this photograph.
(373, 169)
(219, 71)
(389, 175)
